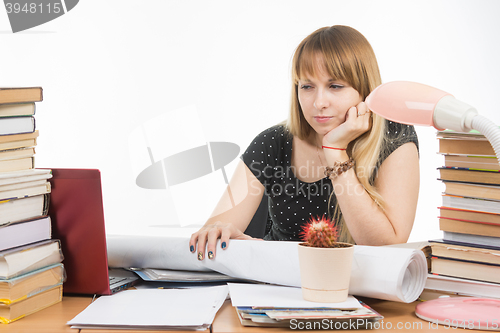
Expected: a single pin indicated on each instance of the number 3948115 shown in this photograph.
(471, 324)
(33, 8)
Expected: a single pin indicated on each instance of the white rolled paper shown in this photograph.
(390, 273)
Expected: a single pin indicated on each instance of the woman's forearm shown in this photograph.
(365, 220)
(397, 182)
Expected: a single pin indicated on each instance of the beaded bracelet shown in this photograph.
(338, 168)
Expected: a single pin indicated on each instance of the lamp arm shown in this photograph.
(489, 130)
(458, 116)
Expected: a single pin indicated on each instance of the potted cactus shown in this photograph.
(325, 263)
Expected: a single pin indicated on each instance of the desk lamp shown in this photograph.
(418, 104)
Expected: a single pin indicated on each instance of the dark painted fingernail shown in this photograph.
(223, 245)
(191, 248)
(210, 255)
(200, 255)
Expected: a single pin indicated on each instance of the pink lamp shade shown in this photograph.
(418, 104)
(405, 102)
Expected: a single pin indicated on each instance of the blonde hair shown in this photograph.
(347, 56)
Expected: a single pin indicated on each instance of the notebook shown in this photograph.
(77, 213)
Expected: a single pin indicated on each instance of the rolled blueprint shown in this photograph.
(395, 274)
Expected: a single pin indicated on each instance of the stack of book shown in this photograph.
(467, 259)
(31, 273)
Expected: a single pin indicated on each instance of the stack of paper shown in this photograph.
(278, 306)
(154, 309)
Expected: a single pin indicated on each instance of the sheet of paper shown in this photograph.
(177, 308)
(265, 295)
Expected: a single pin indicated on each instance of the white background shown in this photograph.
(107, 67)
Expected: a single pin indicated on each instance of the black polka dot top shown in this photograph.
(293, 202)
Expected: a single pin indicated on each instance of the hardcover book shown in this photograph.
(18, 210)
(17, 164)
(460, 286)
(468, 215)
(465, 269)
(475, 204)
(472, 228)
(27, 285)
(18, 141)
(21, 95)
(22, 233)
(27, 306)
(470, 176)
(465, 146)
(21, 109)
(476, 162)
(490, 192)
(474, 240)
(23, 259)
(33, 188)
(464, 251)
(18, 137)
(16, 125)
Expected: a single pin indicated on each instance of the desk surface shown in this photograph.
(53, 319)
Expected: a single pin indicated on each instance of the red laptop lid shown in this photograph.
(77, 214)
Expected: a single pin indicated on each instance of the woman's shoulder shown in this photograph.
(269, 148)
(270, 141)
(398, 134)
(275, 130)
(273, 135)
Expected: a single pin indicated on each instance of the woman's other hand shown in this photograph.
(208, 236)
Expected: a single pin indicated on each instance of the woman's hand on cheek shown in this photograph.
(357, 121)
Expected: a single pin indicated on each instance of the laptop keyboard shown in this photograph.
(116, 279)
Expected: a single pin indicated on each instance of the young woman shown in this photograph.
(333, 157)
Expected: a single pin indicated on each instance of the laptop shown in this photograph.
(76, 210)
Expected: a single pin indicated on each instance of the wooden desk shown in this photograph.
(53, 319)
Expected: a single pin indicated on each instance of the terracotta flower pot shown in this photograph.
(325, 272)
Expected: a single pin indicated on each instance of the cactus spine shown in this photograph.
(319, 232)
